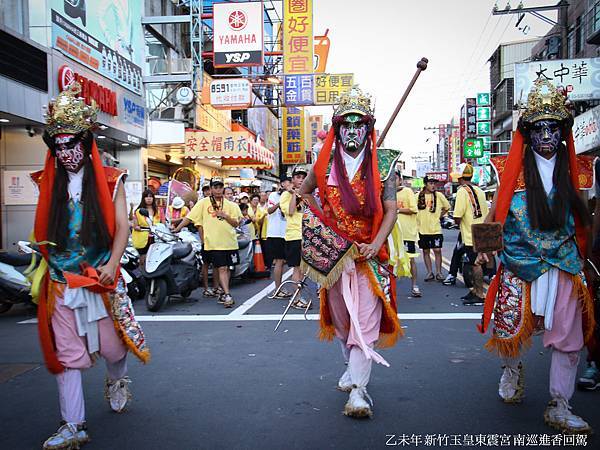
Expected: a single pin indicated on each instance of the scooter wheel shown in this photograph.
(5, 307)
(155, 301)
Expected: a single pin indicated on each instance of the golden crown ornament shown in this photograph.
(69, 114)
(354, 101)
(545, 102)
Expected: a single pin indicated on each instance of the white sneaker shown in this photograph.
(512, 384)
(558, 415)
(68, 436)
(357, 405)
(345, 382)
(117, 393)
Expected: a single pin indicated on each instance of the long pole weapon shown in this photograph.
(421, 66)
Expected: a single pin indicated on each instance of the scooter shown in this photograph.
(173, 265)
(132, 274)
(15, 288)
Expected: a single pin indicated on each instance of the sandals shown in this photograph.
(439, 277)
(282, 294)
(210, 292)
(416, 292)
(301, 304)
(429, 277)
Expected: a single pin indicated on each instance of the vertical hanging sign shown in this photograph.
(294, 136)
(297, 37)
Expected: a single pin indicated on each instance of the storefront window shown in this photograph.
(39, 22)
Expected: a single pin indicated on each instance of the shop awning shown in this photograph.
(234, 149)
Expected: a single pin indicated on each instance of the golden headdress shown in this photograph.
(545, 102)
(69, 113)
(355, 101)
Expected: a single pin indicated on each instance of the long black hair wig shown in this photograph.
(94, 231)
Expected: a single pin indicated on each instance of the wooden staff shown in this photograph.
(421, 66)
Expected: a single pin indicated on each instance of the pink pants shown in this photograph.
(369, 319)
(72, 353)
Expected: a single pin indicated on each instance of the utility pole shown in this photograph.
(563, 16)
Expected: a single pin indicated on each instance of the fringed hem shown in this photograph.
(327, 281)
(326, 328)
(513, 346)
(584, 297)
(143, 355)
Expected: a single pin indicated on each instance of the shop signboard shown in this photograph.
(208, 117)
(321, 50)
(330, 86)
(483, 99)
(298, 89)
(579, 77)
(586, 131)
(484, 113)
(298, 40)
(485, 159)
(471, 117)
(487, 142)
(484, 128)
(265, 124)
(473, 148)
(238, 34)
(438, 176)
(316, 124)
(232, 93)
(293, 136)
(104, 36)
(422, 168)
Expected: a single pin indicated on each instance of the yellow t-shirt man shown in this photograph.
(463, 210)
(261, 220)
(406, 199)
(293, 230)
(218, 234)
(429, 222)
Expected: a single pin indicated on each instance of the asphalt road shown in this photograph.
(221, 379)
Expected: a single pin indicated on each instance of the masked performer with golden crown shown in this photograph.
(357, 190)
(81, 228)
(540, 287)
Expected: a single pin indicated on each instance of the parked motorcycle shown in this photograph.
(173, 265)
(15, 288)
(132, 274)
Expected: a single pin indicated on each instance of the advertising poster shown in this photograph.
(238, 34)
(18, 188)
(104, 35)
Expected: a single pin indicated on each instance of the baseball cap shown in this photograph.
(216, 180)
(465, 170)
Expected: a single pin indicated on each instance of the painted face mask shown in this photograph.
(69, 152)
(545, 137)
(353, 132)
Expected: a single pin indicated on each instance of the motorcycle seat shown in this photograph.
(15, 259)
(243, 244)
(182, 250)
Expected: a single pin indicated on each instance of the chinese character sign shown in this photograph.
(230, 93)
(294, 136)
(484, 128)
(484, 113)
(473, 148)
(586, 131)
(483, 99)
(471, 117)
(298, 90)
(329, 87)
(297, 36)
(579, 77)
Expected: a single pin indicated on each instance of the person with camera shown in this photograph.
(216, 218)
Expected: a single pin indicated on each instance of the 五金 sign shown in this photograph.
(233, 93)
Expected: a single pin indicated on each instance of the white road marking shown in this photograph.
(244, 307)
(276, 317)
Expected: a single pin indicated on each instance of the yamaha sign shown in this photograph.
(238, 34)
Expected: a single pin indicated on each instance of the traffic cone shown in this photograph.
(259, 261)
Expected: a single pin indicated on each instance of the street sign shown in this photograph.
(473, 148)
(484, 128)
(484, 113)
(483, 99)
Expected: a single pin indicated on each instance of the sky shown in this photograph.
(381, 41)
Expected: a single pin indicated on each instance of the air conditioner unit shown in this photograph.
(172, 113)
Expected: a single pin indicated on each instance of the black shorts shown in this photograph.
(410, 246)
(427, 241)
(293, 253)
(221, 258)
(276, 248)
